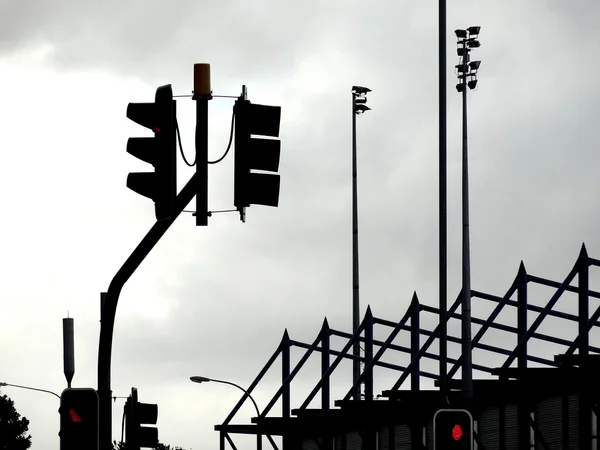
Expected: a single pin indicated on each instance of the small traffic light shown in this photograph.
(453, 430)
(160, 151)
(78, 419)
(136, 415)
(251, 153)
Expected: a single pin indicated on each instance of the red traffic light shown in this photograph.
(457, 432)
(453, 429)
(74, 416)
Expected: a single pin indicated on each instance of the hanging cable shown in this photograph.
(209, 162)
(228, 145)
(181, 147)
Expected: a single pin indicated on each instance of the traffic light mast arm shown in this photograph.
(109, 308)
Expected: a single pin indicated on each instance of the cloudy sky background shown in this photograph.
(215, 301)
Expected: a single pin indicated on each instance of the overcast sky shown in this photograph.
(214, 301)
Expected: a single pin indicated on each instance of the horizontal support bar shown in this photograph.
(534, 308)
(556, 284)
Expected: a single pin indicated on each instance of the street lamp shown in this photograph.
(467, 76)
(198, 379)
(359, 100)
(2, 384)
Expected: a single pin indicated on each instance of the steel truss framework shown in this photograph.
(547, 406)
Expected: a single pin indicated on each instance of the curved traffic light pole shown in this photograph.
(109, 308)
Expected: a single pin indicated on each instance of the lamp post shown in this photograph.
(359, 100)
(2, 384)
(467, 76)
(199, 379)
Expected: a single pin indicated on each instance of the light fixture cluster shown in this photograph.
(360, 99)
(467, 69)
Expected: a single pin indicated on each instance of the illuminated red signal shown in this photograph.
(74, 416)
(457, 432)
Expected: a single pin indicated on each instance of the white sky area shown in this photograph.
(215, 301)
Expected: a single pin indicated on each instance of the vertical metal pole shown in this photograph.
(523, 404)
(584, 302)
(368, 354)
(443, 306)
(325, 363)
(355, 281)
(415, 344)
(467, 367)
(285, 373)
(585, 411)
(202, 94)
(201, 161)
(415, 338)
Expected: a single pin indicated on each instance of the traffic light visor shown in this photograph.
(147, 114)
(143, 114)
(263, 189)
(264, 120)
(264, 154)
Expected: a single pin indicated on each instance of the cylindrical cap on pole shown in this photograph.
(202, 81)
(68, 350)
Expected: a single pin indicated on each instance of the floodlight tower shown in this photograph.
(359, 100)
(467, 77)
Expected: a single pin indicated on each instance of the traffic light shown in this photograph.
(453, 430)
(251, 153)
(78, 419)
(136, 415)
(160, 151)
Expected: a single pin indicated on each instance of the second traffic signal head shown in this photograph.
(252, 153)
(136, 415)
(160, 151)
(453, 430)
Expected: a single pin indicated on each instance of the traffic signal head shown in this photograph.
(160, 151)
(78, 419)
(453, 430)
(251, 154)
(136, 415)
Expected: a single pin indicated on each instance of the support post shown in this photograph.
(110, 308)
(285, 373)
(202, 94)
(415, 338)
(443, 303)
(523, 407)
(325, 362)
(355, 276)
(585, 407)
(368, 355)
(467, 366)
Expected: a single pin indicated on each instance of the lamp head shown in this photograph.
(473, 31)
(361, 108)
(474, 65)
(197, 379)
(360, 90)
(461, 34)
